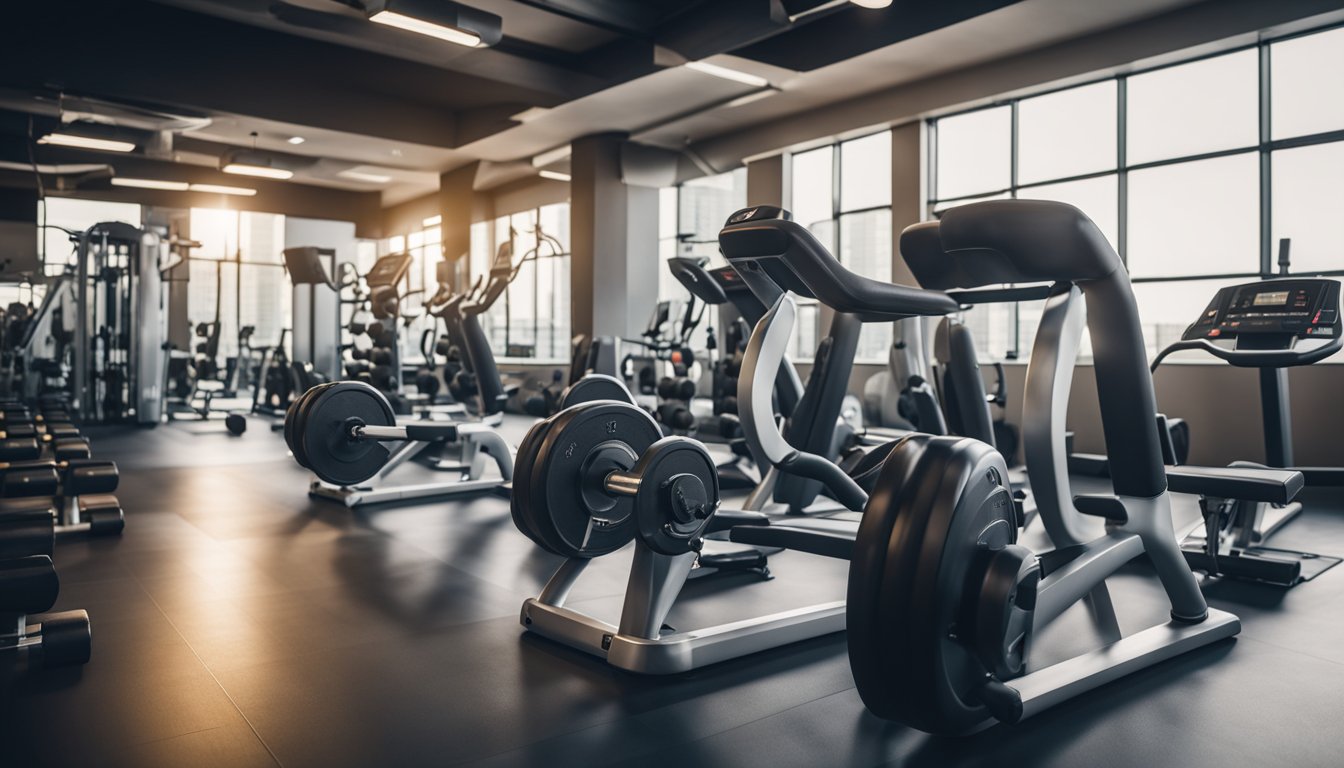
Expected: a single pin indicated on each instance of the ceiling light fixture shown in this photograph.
(223, 189)
(439, 19)
(171, 186)
(554, 175)
(86, 142)
(432, 221)
(260, 171)
(872, 4)
(725, 73)
(295, 140)
(551, 156)
(367, 178)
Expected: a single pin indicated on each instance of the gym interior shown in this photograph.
(716, 382)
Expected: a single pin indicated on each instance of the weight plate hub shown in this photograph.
(559, 495)
(326, 417)
(678, 494)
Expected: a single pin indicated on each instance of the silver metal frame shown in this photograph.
(476, 441)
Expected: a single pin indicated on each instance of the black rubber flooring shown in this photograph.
(238, 623)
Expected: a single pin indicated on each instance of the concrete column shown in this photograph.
(907, 190)
(614, 241)
(456, 198)
(767, 181)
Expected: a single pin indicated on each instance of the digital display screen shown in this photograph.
(1270, 299)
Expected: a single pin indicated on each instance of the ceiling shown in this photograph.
(188, 80)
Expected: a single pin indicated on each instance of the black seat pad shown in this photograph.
(1275, 486)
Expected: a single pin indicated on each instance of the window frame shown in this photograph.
(1264, 148)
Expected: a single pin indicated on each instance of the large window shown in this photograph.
(62, 215)
(690, 216)
(842, 193)
(1192, 171)
(238, 276)
(531, 320)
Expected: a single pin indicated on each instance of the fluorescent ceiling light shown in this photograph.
(433, 221)
(871, 3)
(551, 156)
(727, 74)
(172, 186)
(368, 178)
(295, 140)
(554, 175)
(422, 27)
(84, 142)
(223, 189)
(260, 171)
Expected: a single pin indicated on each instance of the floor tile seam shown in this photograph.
(218, 683)
(1279, 646)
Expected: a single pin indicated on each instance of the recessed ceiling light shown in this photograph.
(554, 175)
(422, 27)
(296, 140)
(172, 186)
(85, 142)
(871, 3)
(725, 73)
(260, 171)
(433, 221)
(367, 178)
(223, 189)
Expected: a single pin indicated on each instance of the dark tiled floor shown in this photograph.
(238, 623)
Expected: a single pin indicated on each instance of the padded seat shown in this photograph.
(1274, 486)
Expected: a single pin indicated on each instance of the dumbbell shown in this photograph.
(676, 388)
(380, 356)
(427, 383)
(675, 415)
(380, 376)
(29, 586)
(354, 368)
(360, 354)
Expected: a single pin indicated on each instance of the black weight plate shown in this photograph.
(908, 581)
(293, 424)
(523, 465)
(331, 453)
(676, 475)
(530, 493)
(594, 387)
(307, 398)
(564, 489)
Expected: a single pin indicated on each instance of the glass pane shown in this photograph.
(1167, 308)
(811, 199)
(261, 237)
(991, 327)
(1066, 133)
(1306, 93)
(975, 152)
(217, 232)
(266, 303)
(1308, 199)
(939, 208)
(865, 248)
(805, 333)
(706, 203)
(1200, 218)
(1203, 106)
(865, 172)
(76, 216)
(1098, 198)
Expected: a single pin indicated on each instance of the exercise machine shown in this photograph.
(1270, 325)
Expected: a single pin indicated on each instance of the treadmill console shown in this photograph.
(1296, 317)
(388, 270)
